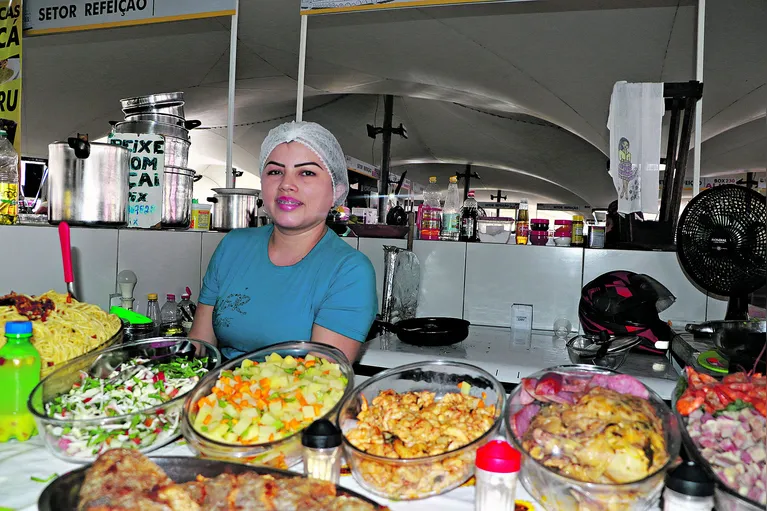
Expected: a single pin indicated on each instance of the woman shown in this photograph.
(294, 279)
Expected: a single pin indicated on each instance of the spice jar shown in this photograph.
(563, 232)
(539, 237)
(539, 224)
(496, 476)
(322, 451)
(577, 231)
(688, 488)
(597, 236)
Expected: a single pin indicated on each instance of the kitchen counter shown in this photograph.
(492, 349)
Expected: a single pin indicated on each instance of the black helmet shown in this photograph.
(626, 303)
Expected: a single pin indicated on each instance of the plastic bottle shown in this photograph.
(322, 451)
(688, 488)
(9, 181)
(497, 467)
(469, 218)
(523, 223)
(451, 213)
(170, 325)
(431, 216)
(153, 311)
(187, 308)
(19, 373)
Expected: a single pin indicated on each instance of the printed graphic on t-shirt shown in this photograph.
(232, 303)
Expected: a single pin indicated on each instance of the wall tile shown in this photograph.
(442, 278)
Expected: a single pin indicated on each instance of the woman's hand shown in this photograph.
(202, 328)
(350, 347)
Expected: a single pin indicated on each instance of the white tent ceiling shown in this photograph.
(519, 90)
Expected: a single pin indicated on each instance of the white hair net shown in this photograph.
(319, 140)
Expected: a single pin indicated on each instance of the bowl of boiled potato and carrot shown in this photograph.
(253, 409)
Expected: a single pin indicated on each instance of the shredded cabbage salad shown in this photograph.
(132, 388)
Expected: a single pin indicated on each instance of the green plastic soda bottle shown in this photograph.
(19, 373)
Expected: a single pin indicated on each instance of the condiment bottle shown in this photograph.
(523, 228)
(577, 232)
(322, 451)
(19, 374)
(496, 476)
(688, 488)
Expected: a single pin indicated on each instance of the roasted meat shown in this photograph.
(125, 480)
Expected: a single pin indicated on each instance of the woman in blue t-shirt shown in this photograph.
(295, 279)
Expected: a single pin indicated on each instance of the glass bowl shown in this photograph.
(61, 435)
(558, 492)
(726, 498)
(415, 478)
(281, 453)
(582, 349)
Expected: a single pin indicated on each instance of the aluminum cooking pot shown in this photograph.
(176, 138)
(234, 208)
(177, 197)
(88, 183)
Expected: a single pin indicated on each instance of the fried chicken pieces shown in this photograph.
(126, 480)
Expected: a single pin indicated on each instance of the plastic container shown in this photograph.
(451, 213)
(577, 231)
(55, 431)
(431, 213)
(539, 237)
(416, 478)
(170, 318)
(494, 229)
(496, 476)
(281, 453)
(597, 236)
(539, 224)
(9, 181)
(153, 311)
(563, 232)
(200, 216)
(470, 219)
(19, 374)
(688, 488)
(557, 492)
(322, 451)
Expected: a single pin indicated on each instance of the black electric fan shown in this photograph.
(721, 241)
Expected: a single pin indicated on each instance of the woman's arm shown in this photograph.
(202, 328)
(350, 347)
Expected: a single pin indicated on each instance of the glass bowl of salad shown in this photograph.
(128, 396)
(253, 409)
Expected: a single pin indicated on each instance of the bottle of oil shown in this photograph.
(523, 223)
(19, 374)
(9, 181)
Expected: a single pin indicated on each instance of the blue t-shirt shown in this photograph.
(257, 304)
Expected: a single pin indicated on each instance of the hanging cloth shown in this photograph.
(636, 113)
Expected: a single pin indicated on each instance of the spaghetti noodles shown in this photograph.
(63, 333)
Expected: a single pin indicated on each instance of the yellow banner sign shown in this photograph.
(10, 70)
(309, 7)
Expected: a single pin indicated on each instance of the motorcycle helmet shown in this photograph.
(626, 303)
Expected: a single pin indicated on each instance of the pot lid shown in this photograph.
(236, 191)
(152, 127)
(153, 99)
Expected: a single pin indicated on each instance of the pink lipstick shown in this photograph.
(286, 203)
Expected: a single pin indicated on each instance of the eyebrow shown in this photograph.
(272, 162)
(309, 163)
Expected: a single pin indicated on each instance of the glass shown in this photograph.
(562, 327)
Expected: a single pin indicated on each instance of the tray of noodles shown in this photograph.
(62, 328)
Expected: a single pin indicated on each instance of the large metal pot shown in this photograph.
(170, 103)
(176, 138)
(177, 197)
(234, 208)
(88, 183)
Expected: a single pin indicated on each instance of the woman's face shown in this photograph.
(296, 187)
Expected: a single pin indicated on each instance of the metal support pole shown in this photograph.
(230, 99)
(699, 106)
(681, 165)
(301, 68)
(671, 151)
(383, 184)
(467, 181)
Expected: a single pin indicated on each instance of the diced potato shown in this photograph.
(308, 412)
(275, 407)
